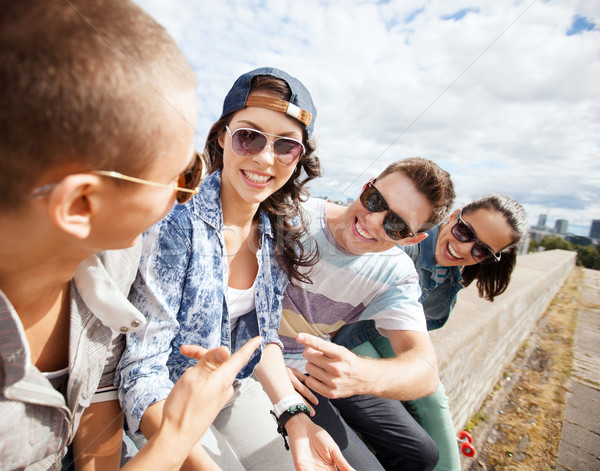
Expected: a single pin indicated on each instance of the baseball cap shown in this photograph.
(300, 105)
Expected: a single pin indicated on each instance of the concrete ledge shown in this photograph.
(482, 338)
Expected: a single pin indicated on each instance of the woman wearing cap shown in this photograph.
(213, 273)
(479, 243)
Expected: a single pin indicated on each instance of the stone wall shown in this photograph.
(481, 338)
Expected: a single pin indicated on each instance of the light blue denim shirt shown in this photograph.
(437, 299)
(180, 288)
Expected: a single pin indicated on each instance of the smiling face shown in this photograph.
(251, 180)
(359, 231)
(490, 228)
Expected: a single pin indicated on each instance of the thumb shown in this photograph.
(241, 357)
(211, 360)
(340, 462)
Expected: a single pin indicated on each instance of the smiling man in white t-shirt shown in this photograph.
(363, 275)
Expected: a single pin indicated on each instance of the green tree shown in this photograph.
(588, 257)
(556, 242)
(533, 245)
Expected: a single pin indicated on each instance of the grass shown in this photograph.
(477, 418)
(527, 433)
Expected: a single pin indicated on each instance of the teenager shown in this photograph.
(478, 242)
(214, 272)
(96, 146)
(363, 275)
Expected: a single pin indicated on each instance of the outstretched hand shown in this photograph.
(203, 389)
(313, 448)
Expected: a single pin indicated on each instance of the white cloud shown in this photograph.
(501, 96)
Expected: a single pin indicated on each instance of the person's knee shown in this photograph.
(419, 454)
(426, 456)
(431, 456)
(428, 452)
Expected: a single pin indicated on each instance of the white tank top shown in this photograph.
(240, 302)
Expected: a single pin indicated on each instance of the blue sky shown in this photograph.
(503, 95)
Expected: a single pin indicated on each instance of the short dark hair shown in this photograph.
(84, 83)
(493, 278)
(431, 181)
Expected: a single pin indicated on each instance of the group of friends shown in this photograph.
(165, 309)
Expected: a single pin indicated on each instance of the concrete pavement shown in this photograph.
(579, 448)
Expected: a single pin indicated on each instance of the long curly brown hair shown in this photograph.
(283, 206)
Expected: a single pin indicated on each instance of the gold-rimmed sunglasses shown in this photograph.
(186, 187)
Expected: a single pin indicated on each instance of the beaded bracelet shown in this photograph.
(287, 415)
(285, 403)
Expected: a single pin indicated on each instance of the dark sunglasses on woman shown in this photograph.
(480, 252)
(247, 142)
(373, 201)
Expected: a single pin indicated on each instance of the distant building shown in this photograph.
(542, 220)
(579, 240)
(595, 229)
(524, 245)
(561, 226)
(538, 233)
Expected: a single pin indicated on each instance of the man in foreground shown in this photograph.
(96, 144)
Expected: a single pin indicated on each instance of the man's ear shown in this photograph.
(71, 204)
(418, 237)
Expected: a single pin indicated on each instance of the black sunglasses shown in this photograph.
(480, 252)
(373, 201)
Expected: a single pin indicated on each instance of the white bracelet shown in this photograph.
(287, 402)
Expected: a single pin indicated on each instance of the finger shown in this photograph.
(317, 363)
(315, 356)
(307, 393)
(327, 348)
(317, 386)
(297, 379)
(339, 461)
(297, 374)
(241, 357)
(316, 372)
(322, 383)
(304, 392)
(211, 359)
(193, 351)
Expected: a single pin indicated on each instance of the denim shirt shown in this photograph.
(437, 300)
(181, 289)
